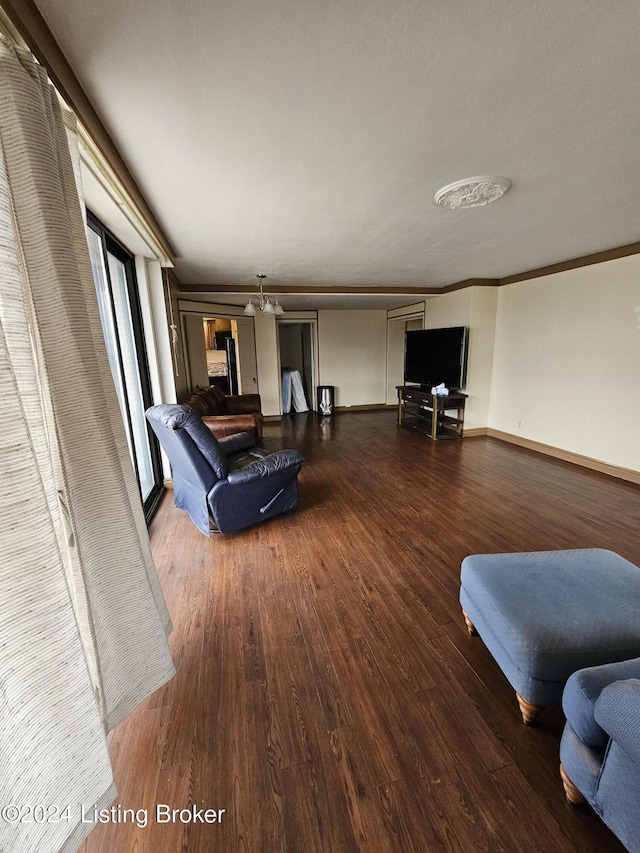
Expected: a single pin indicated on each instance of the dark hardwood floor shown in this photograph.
(328, 696)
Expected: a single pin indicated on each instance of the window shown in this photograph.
(116, 287)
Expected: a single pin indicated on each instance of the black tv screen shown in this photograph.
(432, 356)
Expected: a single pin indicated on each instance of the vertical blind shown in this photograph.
(83, 623)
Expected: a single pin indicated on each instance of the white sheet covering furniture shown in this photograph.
(293, 392)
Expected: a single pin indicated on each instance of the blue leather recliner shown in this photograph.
(226, 479)
(600, 747)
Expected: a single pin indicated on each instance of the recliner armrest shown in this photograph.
(282, 460)
(231, 444)
(618, 712)
(582, 691)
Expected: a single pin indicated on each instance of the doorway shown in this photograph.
(396, 328)
(220, 351)
(296, 343)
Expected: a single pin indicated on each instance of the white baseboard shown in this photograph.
(627, 474)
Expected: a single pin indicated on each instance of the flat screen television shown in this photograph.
(432, 356)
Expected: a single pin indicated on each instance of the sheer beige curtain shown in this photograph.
(83, 623)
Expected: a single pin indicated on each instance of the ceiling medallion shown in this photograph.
(472, 192)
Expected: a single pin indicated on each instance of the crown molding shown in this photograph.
(311, 291)
(470, 282)
(551, 269)
(336, 288)
(574, 263)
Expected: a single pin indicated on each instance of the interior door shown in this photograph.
(296, 353)
(307, 362)
(232, 364)
(244, 335)
(196, 353)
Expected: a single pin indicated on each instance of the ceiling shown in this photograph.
(306, 140)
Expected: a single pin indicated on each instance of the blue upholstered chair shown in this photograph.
(543, 615)
(600, 747)
(227, 479)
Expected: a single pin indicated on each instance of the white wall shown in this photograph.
(352, 355)
(567, 361)
(450, 309)
(156, 329)
(482, 333)
(268, 362)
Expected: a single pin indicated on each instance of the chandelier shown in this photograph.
(264, 303)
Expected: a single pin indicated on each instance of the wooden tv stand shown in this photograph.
(432, 415)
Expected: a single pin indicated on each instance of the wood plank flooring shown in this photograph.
(328, 697)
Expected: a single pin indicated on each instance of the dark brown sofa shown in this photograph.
(227, 414)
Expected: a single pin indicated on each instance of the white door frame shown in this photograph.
(396, 327)
(291, 319)
(204, 312)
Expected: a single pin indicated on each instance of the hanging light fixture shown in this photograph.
(264, 303)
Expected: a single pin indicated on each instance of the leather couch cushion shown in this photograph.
(207, 401)
(226, 415)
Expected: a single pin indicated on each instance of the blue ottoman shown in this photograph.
(543, 615)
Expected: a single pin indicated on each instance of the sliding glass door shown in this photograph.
(114, 276)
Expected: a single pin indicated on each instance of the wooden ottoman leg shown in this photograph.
(528, 710)
(470, 626)
(573, 794)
